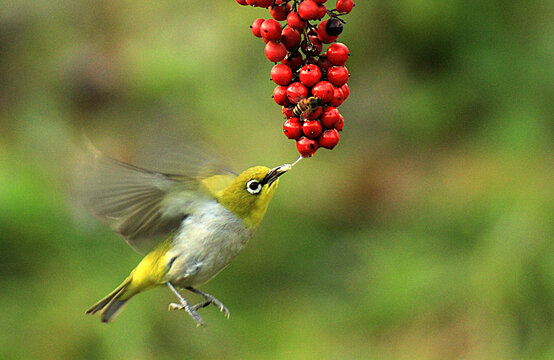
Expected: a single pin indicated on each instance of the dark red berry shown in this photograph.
(271, 30)
(333, 27)
(281, 74)
(292, 128)
(329, 116)
(322, 34)
(312, 128)
(309, 75)
(345, 91)
(323, 63)
(294, 61)
(338, 98)
(308, 9)
(242, 2)
(296, 91)
(345, 6)
(256, 27)
(323, 90)
(320, 2)
(337, 75)
(287, 111)
(337, 54)
(263, 3)
(295, 21)
(280, 11)
(280, 95)
(312, 48)
(329, 139)
(290, 38)
(275, 51)
(306, 147)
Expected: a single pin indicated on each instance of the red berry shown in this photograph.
(306, 147)
(321, 11)
(271, 30)
(309, 75)
(320, 2)
(315, 46)
(292, 128)
(337, 75)
(252, 2)
(345, 91)
(256, 27)
(322, 34)
(295, 21)
(293, 61)
(296, 91)
(339, 123)
(275, 52)
(345, 6)
(329, 116)
(314, 114)
(287, 111)
(242, 2)
(337, 54)
(329, 139)
(308, 9)
(312, 128)
(290, 38)
(281, 74)
(323, 90)
(279, 12)
(280, 95)
(338, 98)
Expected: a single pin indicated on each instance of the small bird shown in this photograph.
(190, 223)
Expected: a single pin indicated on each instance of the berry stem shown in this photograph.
(309, 44)
(334, 14)
(297, 160)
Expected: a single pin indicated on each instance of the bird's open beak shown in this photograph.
(274, 173)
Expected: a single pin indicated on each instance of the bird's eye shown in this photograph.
(253, 187)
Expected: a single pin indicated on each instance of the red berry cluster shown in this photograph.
(311, 84)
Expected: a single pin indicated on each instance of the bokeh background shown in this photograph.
(426, 234)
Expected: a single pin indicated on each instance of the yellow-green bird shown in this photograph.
(190, 223)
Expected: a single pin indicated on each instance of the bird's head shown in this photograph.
(250, 193)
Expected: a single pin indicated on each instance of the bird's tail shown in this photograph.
(112, 304)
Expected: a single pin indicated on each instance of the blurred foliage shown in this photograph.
(426, 234)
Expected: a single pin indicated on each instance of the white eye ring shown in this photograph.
(253, 187)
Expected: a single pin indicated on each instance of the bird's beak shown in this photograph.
(274, 173)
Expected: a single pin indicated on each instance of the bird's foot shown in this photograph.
(217, 303)
(184, 305)
(209, 299)
(190, 310)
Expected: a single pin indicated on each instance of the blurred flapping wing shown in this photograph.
(143, 206)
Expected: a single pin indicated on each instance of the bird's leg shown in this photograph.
(184, 305)
(209, 299)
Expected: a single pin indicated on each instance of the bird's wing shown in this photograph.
(143, 206)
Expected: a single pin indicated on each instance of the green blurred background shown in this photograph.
(426, 234)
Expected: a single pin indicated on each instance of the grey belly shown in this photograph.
(206, 243)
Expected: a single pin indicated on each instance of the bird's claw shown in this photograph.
(222, 308)
(191, 310)
(211, 300)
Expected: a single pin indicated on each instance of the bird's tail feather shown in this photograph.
(112, 304)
